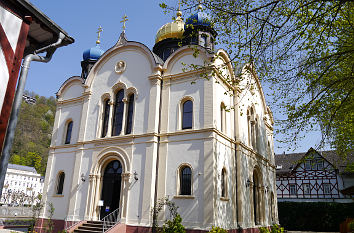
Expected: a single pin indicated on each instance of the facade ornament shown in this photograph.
(120, 67)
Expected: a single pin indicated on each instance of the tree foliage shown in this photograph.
(172, 224)
(303, 50)
(33, 133)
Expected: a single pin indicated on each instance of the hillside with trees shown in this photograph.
(33, 133)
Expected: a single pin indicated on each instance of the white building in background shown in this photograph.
(22, 184)
(137, 127)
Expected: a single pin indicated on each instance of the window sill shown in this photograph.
(184, 197)
(224, 199)
(58, 195)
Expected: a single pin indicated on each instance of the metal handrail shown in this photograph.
(69, 224)
(110, 220)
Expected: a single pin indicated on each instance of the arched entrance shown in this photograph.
(111, 188)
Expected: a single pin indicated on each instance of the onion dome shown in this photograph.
(199, 19)
(174, 29)
(93, 53)
(96, 52)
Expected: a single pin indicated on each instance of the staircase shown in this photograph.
(93, 226)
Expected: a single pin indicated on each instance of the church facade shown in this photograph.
(139, 125)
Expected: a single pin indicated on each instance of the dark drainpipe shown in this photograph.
(10, 133)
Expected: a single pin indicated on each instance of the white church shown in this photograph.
(139, 125)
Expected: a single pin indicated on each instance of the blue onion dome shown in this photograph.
(93, 53)
(199, 19)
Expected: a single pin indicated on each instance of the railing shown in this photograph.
(69, 224)
(110, 220)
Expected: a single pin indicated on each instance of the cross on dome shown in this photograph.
(99, 35)
(125, 19)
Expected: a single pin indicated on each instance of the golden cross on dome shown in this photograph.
(125, 19)
(99, 35)
(200, 5)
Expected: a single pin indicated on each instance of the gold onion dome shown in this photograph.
(174, 29)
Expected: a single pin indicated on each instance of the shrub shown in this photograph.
(217, 230)
(264, 230)
(173, 225)
(273, 229)
(351, 226)
(314, 216)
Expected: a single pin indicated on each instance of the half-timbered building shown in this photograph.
(313, 176)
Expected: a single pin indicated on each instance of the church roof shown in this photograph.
(173, 29)
(288, 162)
(93, 53)
(22, 168)
(199, 19)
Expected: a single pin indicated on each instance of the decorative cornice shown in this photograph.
(187, 74)
(73, 100)
(256, 154)
(268, 125)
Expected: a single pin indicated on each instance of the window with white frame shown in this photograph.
(223, 183)
(60, 183)
(187, 114)
(223, 117)
(69, 128)
(185, 179)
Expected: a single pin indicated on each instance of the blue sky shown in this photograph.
(81, 18)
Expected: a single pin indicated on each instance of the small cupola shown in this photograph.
(90, 56)
(198, 30)
(169, 37)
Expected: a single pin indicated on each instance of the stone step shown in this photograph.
(93, 227)
(87, 231)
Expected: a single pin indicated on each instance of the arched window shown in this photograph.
(118, 113)
(106, 111)
(185, 181)
(256, 135)
(256, 199)
(272, 207)
(204, 40)
(223, 183)
(129, 121)
(60, 183)
(251, 128)
(223, 117)
(269, 151)
(187, 115)
(69, 129)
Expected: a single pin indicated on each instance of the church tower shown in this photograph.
(199, 31)
(90, 56)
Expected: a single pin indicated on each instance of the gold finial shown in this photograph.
(200, 5)
(125, 19)
(179, 12)
(99, 35)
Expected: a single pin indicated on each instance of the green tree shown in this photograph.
(303, 50)
(33, 133)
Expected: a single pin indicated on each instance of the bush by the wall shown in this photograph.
(314, 216)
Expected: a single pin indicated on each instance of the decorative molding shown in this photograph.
(120, 67)
(73, 100)
(184, 197)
